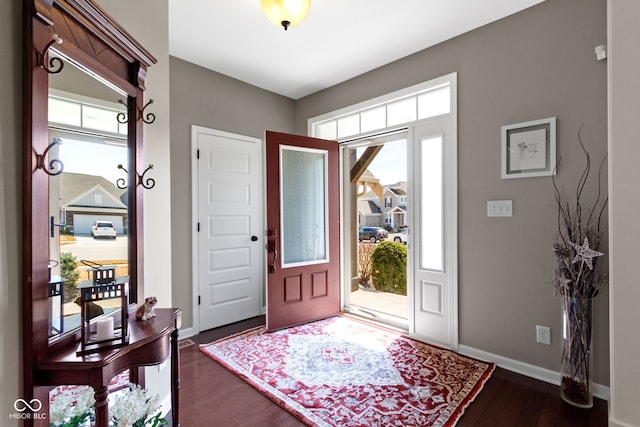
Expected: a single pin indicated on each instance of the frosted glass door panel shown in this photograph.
(304, 205)
(431, 204)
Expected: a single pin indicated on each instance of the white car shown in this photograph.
(103, 229)
(401, 237)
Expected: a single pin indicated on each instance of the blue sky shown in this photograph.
(390, 165)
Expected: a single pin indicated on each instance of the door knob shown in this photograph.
(254, 238)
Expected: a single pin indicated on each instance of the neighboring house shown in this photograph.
(394, 209)
(369, 213)
(389, 210)
(84, 199)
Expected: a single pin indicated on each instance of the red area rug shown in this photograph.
(343, 372)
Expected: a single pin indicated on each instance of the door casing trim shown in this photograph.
(195, 130)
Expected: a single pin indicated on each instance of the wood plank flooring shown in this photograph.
(212, 396)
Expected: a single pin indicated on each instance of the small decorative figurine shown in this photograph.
(146, 310)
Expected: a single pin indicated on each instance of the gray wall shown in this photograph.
(205, 98)
(535, 64)
(10, 207)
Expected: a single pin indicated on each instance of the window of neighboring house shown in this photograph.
(388, 203)
(402, 200)
(97, 198)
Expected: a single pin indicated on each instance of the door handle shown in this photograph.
(254, 238)
(272, 269)
(271, 247)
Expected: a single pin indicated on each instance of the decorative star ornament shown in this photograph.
(584, 253)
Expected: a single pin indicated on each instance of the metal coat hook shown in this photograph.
(55, 166)
(148, 119)
(55, 64)
(121, 183)
(148, 183)
(122, 119)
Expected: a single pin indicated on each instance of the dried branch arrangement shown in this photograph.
(578, 239)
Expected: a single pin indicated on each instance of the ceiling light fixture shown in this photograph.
(287, 13)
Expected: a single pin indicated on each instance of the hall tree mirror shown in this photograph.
(84, 81)
(88, 194)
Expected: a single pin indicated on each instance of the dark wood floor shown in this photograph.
(212, 396)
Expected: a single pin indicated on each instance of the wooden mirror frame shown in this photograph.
(95, 42)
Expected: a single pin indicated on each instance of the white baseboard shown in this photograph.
(600, 391)
(186, 333)
(614, 423)
(165, 406)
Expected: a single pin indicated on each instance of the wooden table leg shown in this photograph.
(101, 395)
(175, 378)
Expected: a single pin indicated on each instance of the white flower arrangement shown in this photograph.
(72, 408)
(134, 408)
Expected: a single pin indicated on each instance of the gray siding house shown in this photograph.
(84, 199)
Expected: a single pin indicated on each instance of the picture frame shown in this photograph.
(529, 149)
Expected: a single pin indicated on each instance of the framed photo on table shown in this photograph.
(529, 149)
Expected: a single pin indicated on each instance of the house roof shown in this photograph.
(74, 185)
(399, 187)
(398, 191)
(368, 207)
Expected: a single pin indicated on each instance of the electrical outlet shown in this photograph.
(543, 334)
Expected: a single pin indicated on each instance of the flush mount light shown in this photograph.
(287, 13)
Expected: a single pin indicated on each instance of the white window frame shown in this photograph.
(382, 101)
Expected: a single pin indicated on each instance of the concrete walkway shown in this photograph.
(393, 304)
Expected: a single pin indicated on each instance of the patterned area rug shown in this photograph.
(343, 372)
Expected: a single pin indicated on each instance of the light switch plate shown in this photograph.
(499, 207)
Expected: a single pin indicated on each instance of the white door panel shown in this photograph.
(229, 212)
(433, 261)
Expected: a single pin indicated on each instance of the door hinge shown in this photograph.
(198, 227)
(198, 153)
(198, 299)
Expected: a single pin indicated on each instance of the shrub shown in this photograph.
(70, 276)
(389, 267)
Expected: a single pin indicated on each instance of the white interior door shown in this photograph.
(433, 263)
(230, 241)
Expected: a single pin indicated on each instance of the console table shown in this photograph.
(151, 342)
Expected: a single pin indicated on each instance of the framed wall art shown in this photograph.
(529, 149)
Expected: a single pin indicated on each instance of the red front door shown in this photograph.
(303, 229)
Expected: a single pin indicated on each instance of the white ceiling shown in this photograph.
(338, 40)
